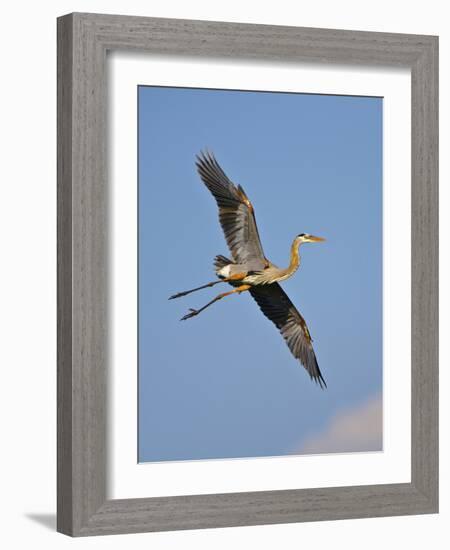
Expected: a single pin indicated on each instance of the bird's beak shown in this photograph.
(313, 239)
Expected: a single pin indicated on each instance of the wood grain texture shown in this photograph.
(83, 40)
(424, 280)
(64, 297)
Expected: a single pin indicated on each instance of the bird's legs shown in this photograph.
(233, 278)
(193, 312)
(186, 292)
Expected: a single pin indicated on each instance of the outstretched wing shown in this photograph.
(236, 214)
(276, 306)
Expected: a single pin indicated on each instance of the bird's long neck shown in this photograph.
(294, 259)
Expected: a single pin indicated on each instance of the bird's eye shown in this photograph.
(301, 235)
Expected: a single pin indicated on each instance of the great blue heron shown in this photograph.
(250, 269)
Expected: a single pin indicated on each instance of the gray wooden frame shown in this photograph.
(83, 40)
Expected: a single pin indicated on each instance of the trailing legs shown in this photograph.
(186, 292)
(193, 312)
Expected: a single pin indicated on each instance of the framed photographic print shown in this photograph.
(247, 274)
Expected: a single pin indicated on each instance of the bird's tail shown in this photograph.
(220, 262)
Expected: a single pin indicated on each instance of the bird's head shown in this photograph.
(307, 238)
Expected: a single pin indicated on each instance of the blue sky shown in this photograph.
(224, 384)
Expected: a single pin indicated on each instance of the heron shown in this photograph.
(249, 269)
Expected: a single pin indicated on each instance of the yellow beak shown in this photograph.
(313, 239)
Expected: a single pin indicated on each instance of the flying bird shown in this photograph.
(250, 270)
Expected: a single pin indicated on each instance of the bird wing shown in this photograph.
(236, 214)
(276, 306)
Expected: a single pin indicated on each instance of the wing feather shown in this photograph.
(236, 214)
(276, 306)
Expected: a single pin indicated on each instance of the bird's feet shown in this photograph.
(192, 313)
(178, 295)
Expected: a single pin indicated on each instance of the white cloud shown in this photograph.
(357, 429)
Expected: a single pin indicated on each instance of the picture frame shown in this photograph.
(83, 40)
